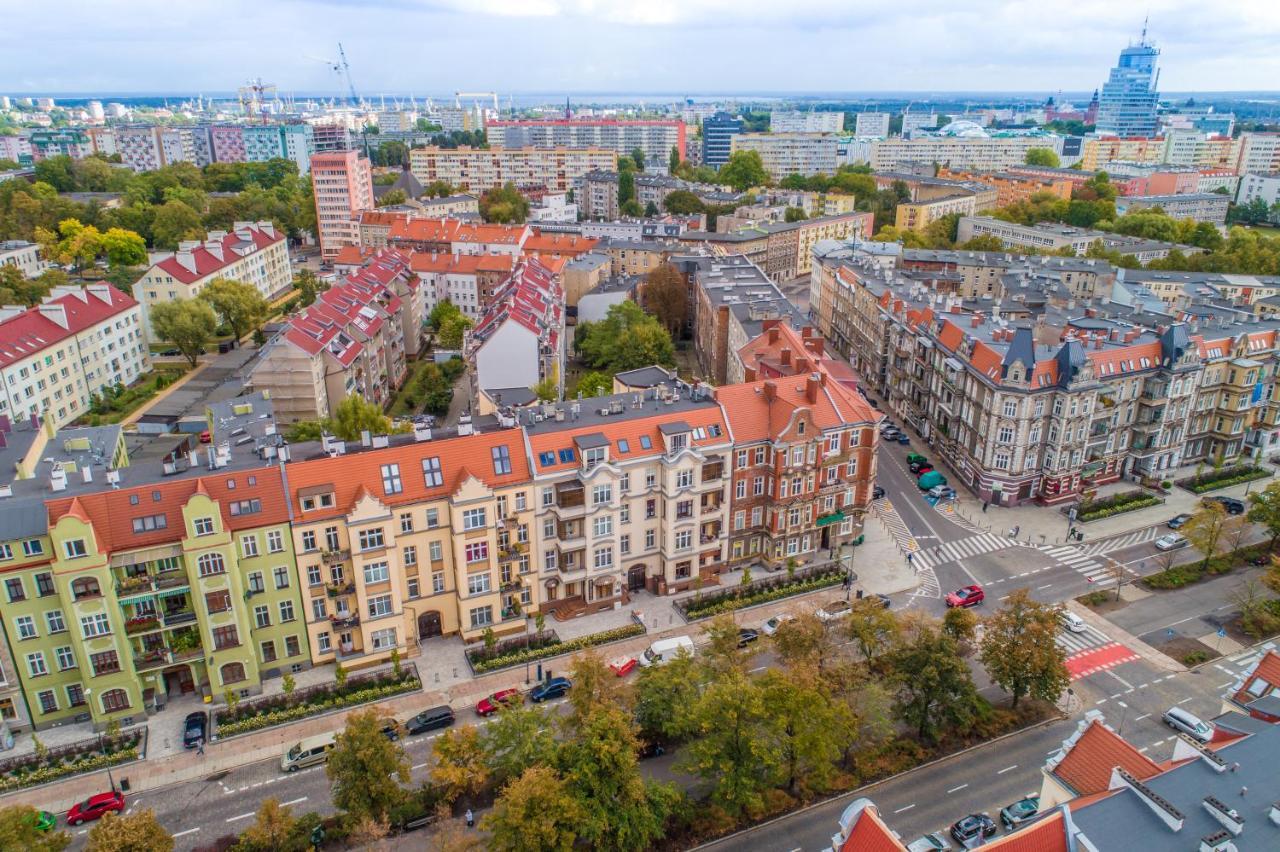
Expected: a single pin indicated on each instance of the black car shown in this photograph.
(1177, 521)
(972, 827)
(430, 720)
(171, 353)
(877, 492)
(746, 636)
(1231, 504)
(1020, 811)
(195, 729)
(884, 600)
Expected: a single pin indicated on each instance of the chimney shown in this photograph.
(811, 388)
(749, 374)
(975, 320)
(1115, 334)
(773, 334)
(1229, 817)
(1217, 842)
(770, 391)
(785, 355)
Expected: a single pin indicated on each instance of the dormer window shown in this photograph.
(593, 457)
(800, 428)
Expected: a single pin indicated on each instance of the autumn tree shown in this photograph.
(275, 829)
(462, 767)
(873, 627)
(733, 750)
(721, 652)
(1020, 650)
(960, 624)
(594, 685)
(504, 204)
(810, 731)
(666, 294)
(519, 737)
(366, 768)
(1205, 530)
(18, 831)
(535, 812)
(1265, 509)
(137, 832)
(240, 305)
(804, 641)
(124, 248)
(189, 324)
(934, 687)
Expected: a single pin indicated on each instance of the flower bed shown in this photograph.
(1116, 504)
(482, 660)
(92, 755)
(1224, 478)
(281, 709)
(762, 591)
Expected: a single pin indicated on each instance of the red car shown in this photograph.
(94, 807)
(967, 596)
(495, 702)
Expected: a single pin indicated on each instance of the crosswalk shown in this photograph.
(1121, 541)
(953, 551)
(1091, 569)
(1074, 643)
(894, 525)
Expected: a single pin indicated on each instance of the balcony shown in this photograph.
(712, 502)
(571, 536)
(156, 658)
(179, 618)
(336, 588)
(141, 624)
(712, 471)
(574, 497)
(348, 651)
(333, 557)
(344, 619)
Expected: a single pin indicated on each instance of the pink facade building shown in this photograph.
(342, 182)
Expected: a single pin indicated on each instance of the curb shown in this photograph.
(1057, 717)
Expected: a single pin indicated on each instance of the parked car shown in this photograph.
(44, 821)
(904, 438)
(95, 807)
(621, 666)
(935, 842)
(771, 626)
(1020, 811)
(890, 434)
(746, 636)
(554, 688)
(195, 729)
(915, 457)
(923, 469)
(1231, 504)
(1170, 541)
(877, 492)
(206, 437)
(942, 492)
(1176, 522)
(494, 703)
(1187, 723)
(915, 464)
(834, 610)
(966, 596)
(1071, 622)
(430, 720)
(970, 828)
(171, 353)
(884, 600)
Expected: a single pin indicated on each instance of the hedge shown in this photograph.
(1129, 501)
(45, 774)
(521, 656)
(302, 711)
(731, 600)
(1224, 478)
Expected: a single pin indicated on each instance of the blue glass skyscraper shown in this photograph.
(1129, 97)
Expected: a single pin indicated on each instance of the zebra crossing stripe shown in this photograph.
(954, 551)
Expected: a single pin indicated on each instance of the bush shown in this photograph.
(281, 709)
(1175, 577)
(1224, 478)
(1115, 505)
(32, 772)
(1095, 598)
(758, 593)
(1194, 658)
(500, 660)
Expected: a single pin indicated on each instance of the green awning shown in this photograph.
(833, 518)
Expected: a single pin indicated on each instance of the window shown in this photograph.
(210, 564)
(645, 443)
(501, 460)
(757, 486)
(203, 526)
(26, 627)
(262, 616)
(291, 646)
(481, 616)
(473, 519)
(545, 459)
(6, 552)
(268, 651)
(313, 575)
(432, 472)
(44, 585)
(232, 673)
(566, 455)
(286, 611)
(379, 605)
(67, 659)
(245, 507)
(376, 572)
(601, 494)
(409, 555)
(1002, 461)
(105, 663)
(477, 584)
(477, 551)
(75, 695)
(85, 587)
(593, 456)
(412, 589)
(684, 509)
(36, 664)
(604, 558)
(75, 548)
(249, 545)
(433, 519)
(219, 601)
(115, 700)
(48, 702)
(225, 637)
(406, 522)
(280, 574)
(436, 551)
(602, 526)
(1005, 436)
(1010, 408)
(383, 639)
(54, 621)
(684, 539)
(275, 541)
(309, 541)
(437, 582)
(95, 625)
(318, 610)
(650, 537)
(391, 483)
(371, 539)
(684, 478)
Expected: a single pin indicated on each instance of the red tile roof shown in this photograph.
(1267, 671)
(206, 263)
(870, 834)
(32, 330)
(565, 245)
(626, 429)
(1086, 768)
(460, 264)
(752, 416)
(1049, 834)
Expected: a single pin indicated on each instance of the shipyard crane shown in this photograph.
(458, 96)
(253, 98)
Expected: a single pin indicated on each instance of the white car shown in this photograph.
(834, 610)
(1071, 622)
(1170, 541)
(771, 626)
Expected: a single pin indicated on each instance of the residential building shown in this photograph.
(1012, 187)
(993, 275)
(254, 253)
(583, 273)
(469, 281)
(655, 138)
(1257, 153)
(1264, 186)
(413, 232)
(477, 170)
(786, 154)
(553, 208)
(56, 356)
(597, 195)
(808, 121)
(1199, 206)
(1099, 151)
(1129, 98)
(630, 495)
(14, 715)
(918, 215)
(451, 206)
(1048, 236)
(22, 255)
(67, 142)
(17, 149)
(330, 137)
(594, 305)
(518, 340)
(717, 138)
(342, 182)
(634, 257)
(916, 121)
(871, 124)
(980, 150)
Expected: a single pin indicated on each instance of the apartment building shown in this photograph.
(67, 142)
(410, 232)
(808, 121)
(1012, 187)
(989, 153)
(1197, 206)
(450, 206)
(990, 275)
(1258, 153)
(1098, 151)
(786, 154)
(254, 253)
(469, 281)
(519, 339)
(630, 495)
(1264, 186)
(56, 356)
(871, 124)
(918, 215)
(1048, 236)
(784, 250)
(22, 255)
(655, 138)
(342, 182)
(929, 188)
(477, 170)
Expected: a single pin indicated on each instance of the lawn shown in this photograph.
(114, 408)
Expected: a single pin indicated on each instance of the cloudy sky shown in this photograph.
(643, 46)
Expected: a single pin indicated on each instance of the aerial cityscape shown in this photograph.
(552, 426)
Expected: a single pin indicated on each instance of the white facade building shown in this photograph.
(25, 256)
(795, 121)
(1266, 187)
(871, 124)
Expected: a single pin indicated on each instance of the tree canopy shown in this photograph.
(239, 305)
(743, 170)
(189, 324)
(365, 767)
(504, 205)
(625, 339)
(1020, 649)
(1043, 157)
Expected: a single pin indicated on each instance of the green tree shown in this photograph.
(462, 767)
(535, 812)
(1020, 650)
(1205, 530)
(721, 653)
(673, 162)
(873, 627)
(519, 737)
(795, 214)
(651, 210)
(1043, 157)
(810, 730)
(548, 389)
(438, 189)
(743, 170)
(175, 221)
(960, 624)
(366, 768)
(355, 415)
(625, 339)
(682, 202)
(395, 196)
(189, 324)
(665, 697)
(637, 157)
(504, 204)
(733, 750)
(124, 248)
(452, 331)
(240, 306)
(18, 831)
(137, 832)
(595, 383)
(1265, 510)
(308, 286)
(934, 686)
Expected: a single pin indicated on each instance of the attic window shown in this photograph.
(645, 443)
(231, 485)
(546, 459)
(700, 433)
(714, 430)
(623, 445)
(566, 455)
(1258, 687)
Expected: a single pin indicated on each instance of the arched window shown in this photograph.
(210, 564)
(85, 587)
(232, 673)
(115, 699)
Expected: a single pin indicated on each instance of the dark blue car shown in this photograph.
(553, 688)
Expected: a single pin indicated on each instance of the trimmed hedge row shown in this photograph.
(521, 656)
(1224, 478)
(729, 601)
(22, 778)
(1118, 504)
(302, 711)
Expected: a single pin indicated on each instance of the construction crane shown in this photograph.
(253, 98)
(458, 96)
(342, 66)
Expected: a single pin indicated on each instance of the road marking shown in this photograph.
(1007, 769)
(954, 789)
(242, 816)
(1045, 586)
(1100, 701)
(1123, 682)
(907, 808)
(1225, 685)
(1117, 695)
(1144, 749)
(1185, 700)
(182, 833)
(294, 802)
(418, 766)
(1143, 716)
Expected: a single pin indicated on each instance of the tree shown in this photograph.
(462, 767)
(535, 812)
(637, 156)
(733, 751)
(594, 685)
(394, 196)
(682, 202)
(651, 210)
(504, 204)
(627, 338)
(308, 287)
(1043, 157)
(354, 416)
(666, 294)
(1257, 616)
(1020, 649)
(804, 642)
(366, 768)
(873, 627)
(1205, 530)
(1266, 511)
(438, 189)
(673, 162)
(809, 729)
(18, 831)
(743, 170)
(795, 214)
(595, 383)
(665, 697)
(519, 737)
(240, 305)
(453, 330)
(934, 686)
(722, 653)
(274, 829)
(124, 248)
(137, 832)
(189, 324)
(174, 222)
(548, 389)
(960, 624)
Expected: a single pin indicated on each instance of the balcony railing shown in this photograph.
(344, 620)
(344, 588)
(176, 619)
(331, 557)
(142, 624)
(156, 659)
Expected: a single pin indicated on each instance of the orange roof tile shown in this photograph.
(1049, 834)
(1087, 766)
(562, 244)
(1267, 670)
(625, 429)
(752, 417)
(870, 834)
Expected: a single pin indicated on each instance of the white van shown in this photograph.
(665, 650)
(309, 752)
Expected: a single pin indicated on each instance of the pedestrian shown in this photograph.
(1243, 790)
(1017, 529)
(471, 819)
(984, 507)
(909, 557)
(199, 745)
